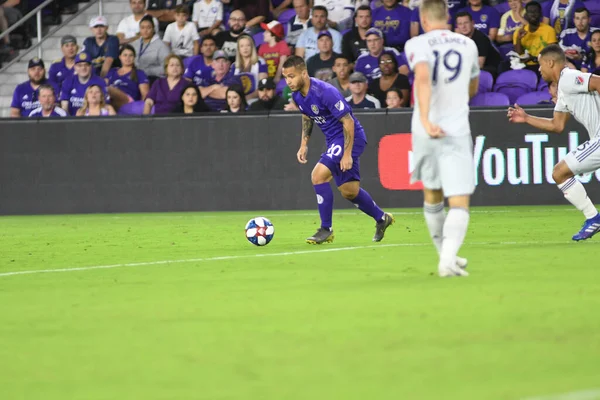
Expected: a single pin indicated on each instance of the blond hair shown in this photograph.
(239, 60)
(435, 9)
(86, 105)
(169, 58)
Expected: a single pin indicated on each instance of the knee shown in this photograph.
(317, 180)
(561, 173)
(349, 193)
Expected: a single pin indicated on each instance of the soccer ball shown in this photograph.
(259, 231)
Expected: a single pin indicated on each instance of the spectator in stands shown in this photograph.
(389, 78)
(278, 6)
(200, 68)
(127, 84)
(485, 18)
(208, 16)
(393, 98)
(236, 101)
(25, 97)
(415, 22)
(10, 12)
(248, 66)
(307, 42)
(393, 19)
(274, 50)
(559, 14)
(181, 36)
(128, 29)
(576, 41)
(341, 81)
(191, 101)
(320, 65)
(340, 13)
(368, 63)
(164, 11)
(267, 99)
(511, 21)
(301, 22)
(354, 42)
(165, 93)
(63, 69)
(152, 51)
(73, 89)
(359, 97)
(534, 36)
(94, 104)
(255, 12)
(6, 50)
(214, 88)
(489, 58)
(48, 107)
(227, 40)
(102, 48)
(592, 59)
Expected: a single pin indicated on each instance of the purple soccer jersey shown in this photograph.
(557, 16)
(325, 105)
(198, 71)
(395, 24)
(484, 19)
(228, 80)
(56, 112)
(25, 98)
(126, 84)
(369, 65)
(569, 39)
(59, 73)
(73, 91)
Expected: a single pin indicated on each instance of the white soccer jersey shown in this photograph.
(453, 62)
(575, 97)
(206, 14)
(182, 41)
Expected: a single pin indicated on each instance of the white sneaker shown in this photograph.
(461, 262)
(449, 271)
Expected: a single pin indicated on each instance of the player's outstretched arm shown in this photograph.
(594, 83)
(422, 85)
(307, 127)
(556, 124)
(348, 123)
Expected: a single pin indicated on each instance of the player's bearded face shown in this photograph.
(294, 79)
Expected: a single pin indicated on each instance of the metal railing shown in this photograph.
(38, 14)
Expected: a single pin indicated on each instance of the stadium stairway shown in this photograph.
(113, 10)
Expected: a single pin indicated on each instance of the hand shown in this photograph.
(301, 155)
(522, 33)
(517, 114)
(346, 162)
(433, 130)
(291, 106)
(204, 32)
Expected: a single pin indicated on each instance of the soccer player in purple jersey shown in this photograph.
(346, 140)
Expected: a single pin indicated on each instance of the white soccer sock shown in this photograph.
(455, 230)
(434, 218)
(576, 194)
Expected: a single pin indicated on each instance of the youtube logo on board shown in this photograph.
(395, 163)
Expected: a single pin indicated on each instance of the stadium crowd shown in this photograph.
(227, 56)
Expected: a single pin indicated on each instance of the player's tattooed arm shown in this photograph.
(307, 127)
(348, 123)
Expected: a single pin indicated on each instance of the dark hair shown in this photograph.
(591, 55)
(295, 62)
(363, 8)
(554, 50)
(534, 4)
(133, 74)
(148, 18)
(582, 9)
(395, 89)
(200, 105)
(240, 91)
(321, 8)
(209, 37)
(392, 55)
(464, 14)
(182, 9)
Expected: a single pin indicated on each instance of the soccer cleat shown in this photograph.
(589, 229)
(449, 271)
(462, 262)
(381, 226)
(323, 235)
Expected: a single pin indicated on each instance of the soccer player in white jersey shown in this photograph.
(577, 95)
(446, 69)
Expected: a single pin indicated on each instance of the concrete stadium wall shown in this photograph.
(248, 162)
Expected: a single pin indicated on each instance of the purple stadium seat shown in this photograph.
(514, 83)
(286, 16)
(503, 49)
(259, 39)
(542, 86)
(133, 108)
(502, 8)
(280, 86)
(533, 98)
(594, 7)
(486, 81)
(489, 99)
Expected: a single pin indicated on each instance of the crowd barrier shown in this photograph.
(248, 162)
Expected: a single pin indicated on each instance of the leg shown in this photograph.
(362, 199)
(117, 98)
(454, 232)
(321, 176)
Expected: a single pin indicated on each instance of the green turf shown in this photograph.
(362, 323)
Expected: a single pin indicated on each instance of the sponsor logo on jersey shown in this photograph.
(339, 105)
(579, 80)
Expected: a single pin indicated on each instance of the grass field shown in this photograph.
(182, 307)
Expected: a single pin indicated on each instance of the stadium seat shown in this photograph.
(534, 98)
(259, 39)
(594, 7)
(542, 86)
(504, 49)
(502, 8)
(514, 83)
(133, 108)
(489, 99)
(286, 16)
(280, 86)
(486, 82)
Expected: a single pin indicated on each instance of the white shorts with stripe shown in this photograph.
(585, 158)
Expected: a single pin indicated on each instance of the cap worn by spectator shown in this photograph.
(374, 31)
(219, 54)
(266, 83)
(274, 27)
(100, 20)
(324, 33)
(36, 62)
(68, 39)
(358, 77)
(82, 57)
